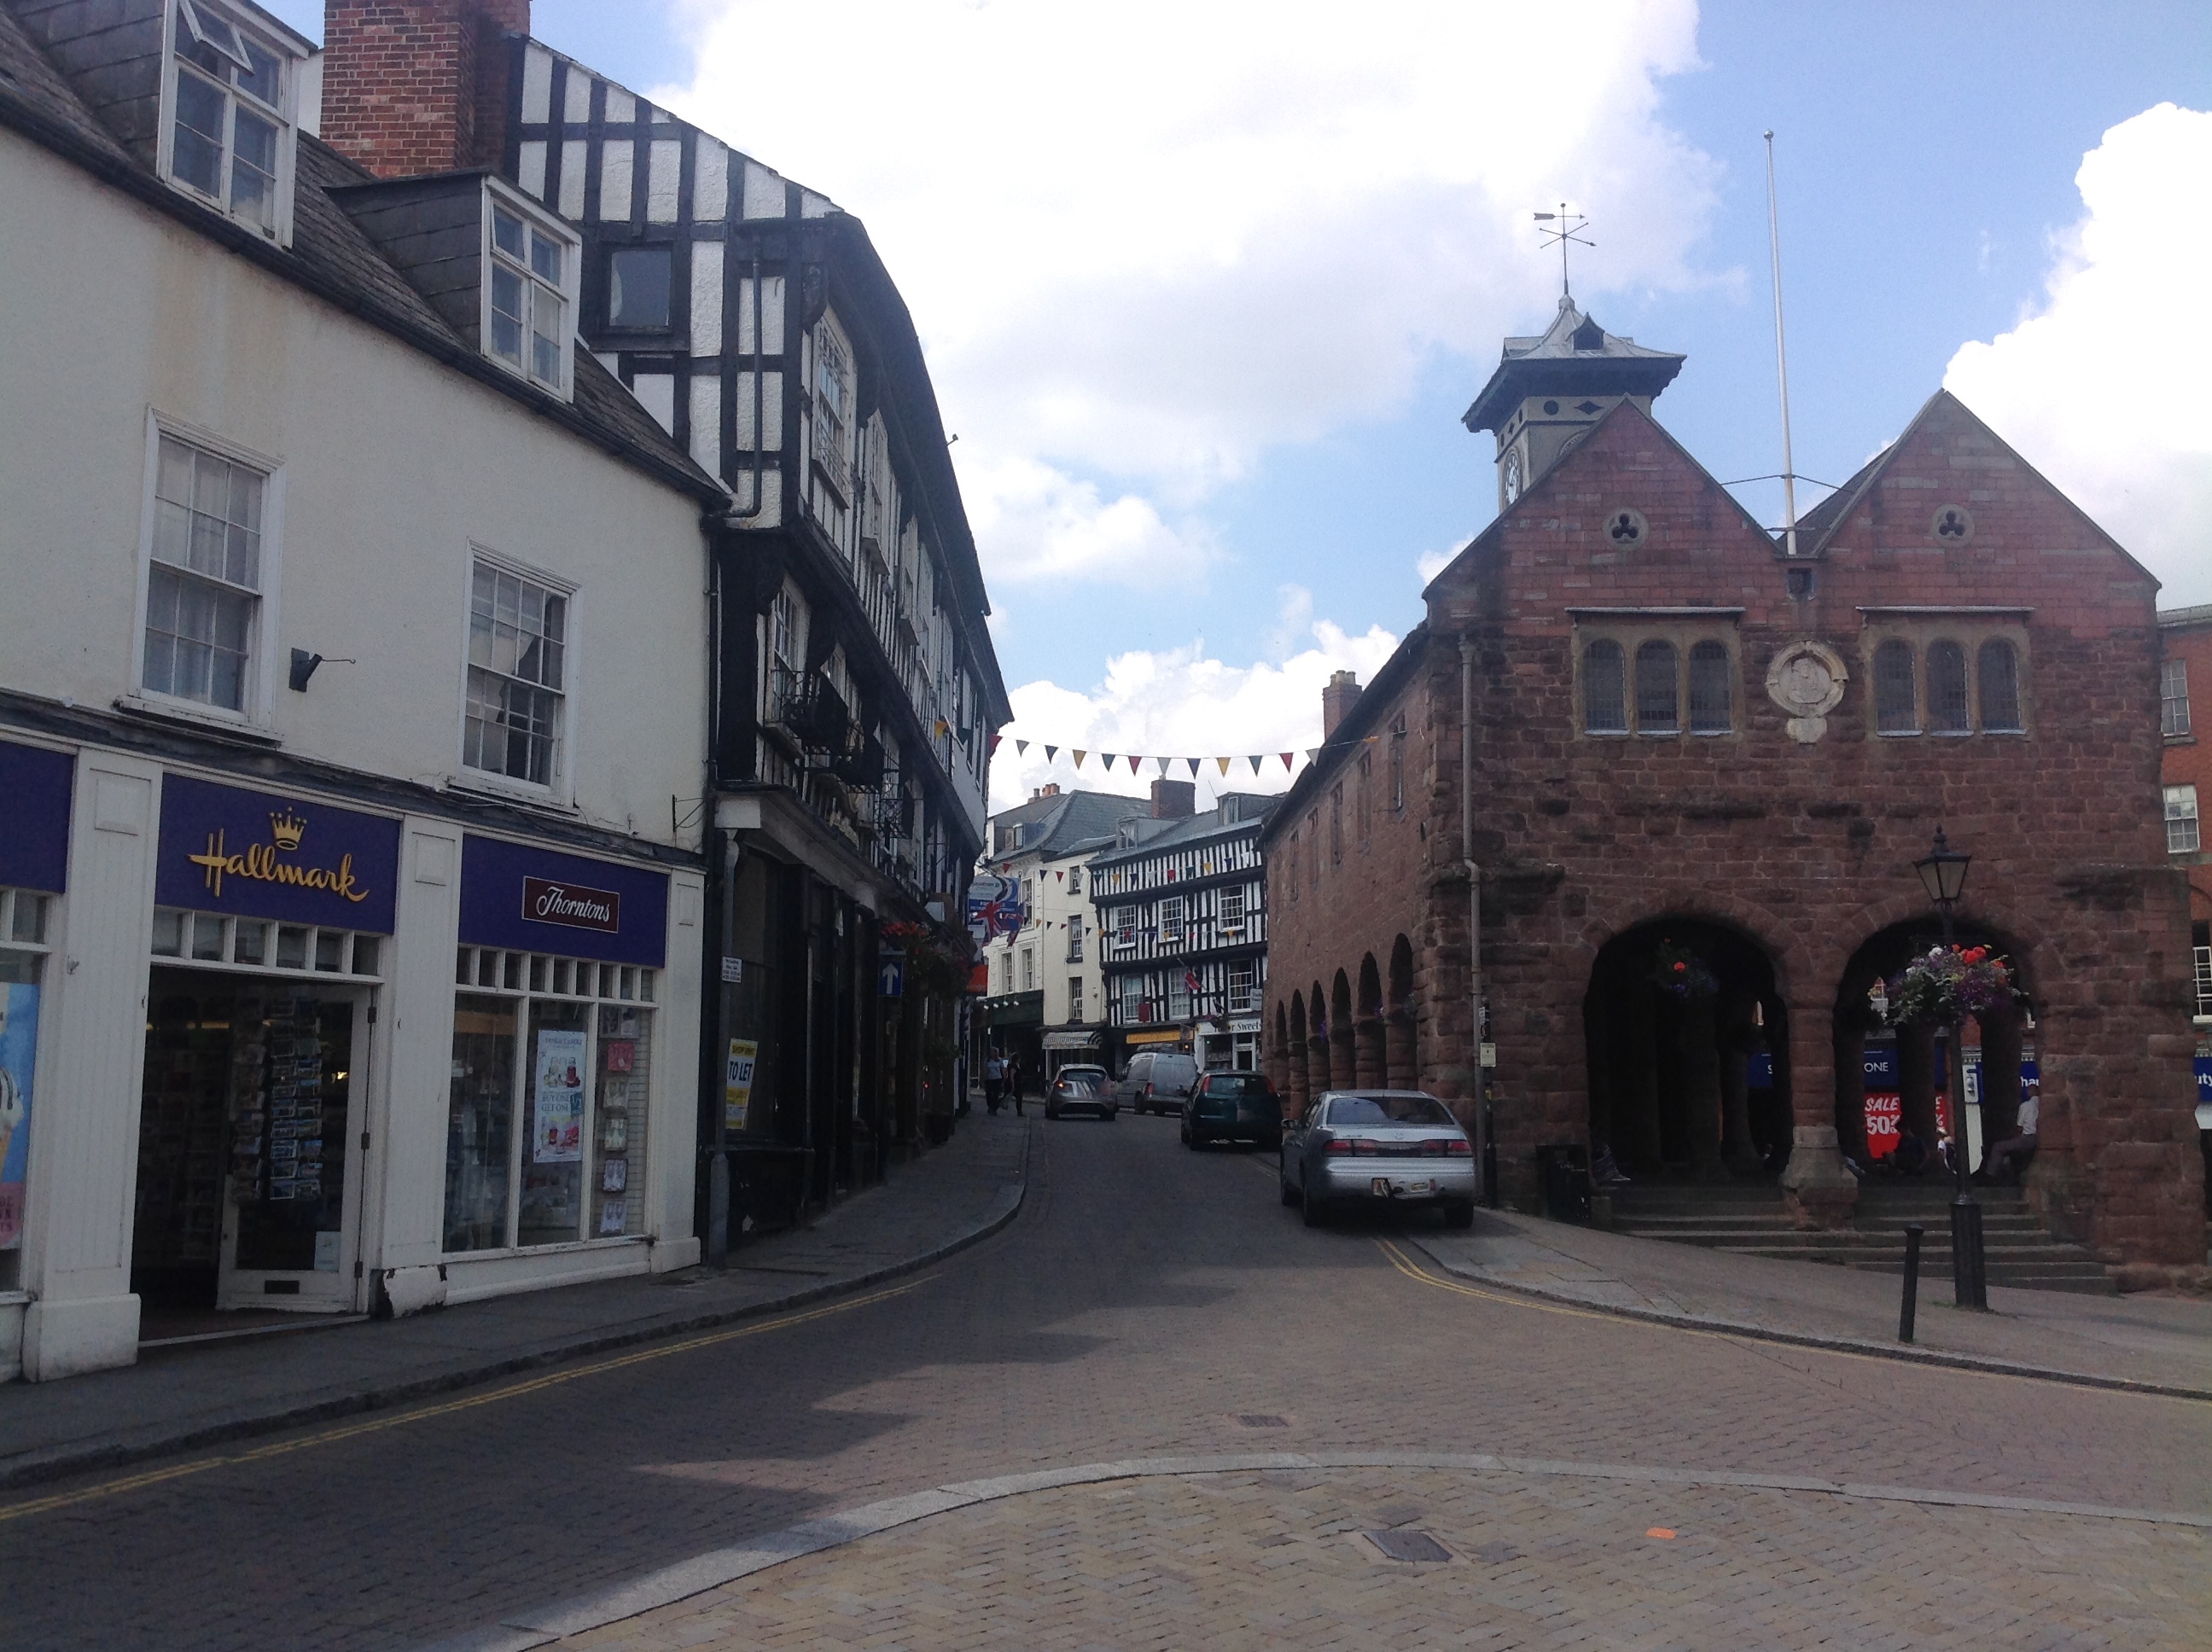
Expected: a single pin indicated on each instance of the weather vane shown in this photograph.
(1570, 228)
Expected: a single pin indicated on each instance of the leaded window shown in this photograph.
(1896, 703)
(1713, 708)
(1948, 711)
(1658, 709)
(1998, 668)
(1605, 702)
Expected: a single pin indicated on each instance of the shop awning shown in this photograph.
(1071, 1041)
(1164, 1035)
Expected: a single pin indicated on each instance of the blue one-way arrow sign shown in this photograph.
(891, 975)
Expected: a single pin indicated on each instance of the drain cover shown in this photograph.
(1262, 1420)
(1409, 1546)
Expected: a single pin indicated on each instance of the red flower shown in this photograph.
(1682, 968)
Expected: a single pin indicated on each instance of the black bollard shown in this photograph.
(1905, 1309)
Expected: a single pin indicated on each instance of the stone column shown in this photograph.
(1370, 1061)
(1701, 1087)
(1402, 1059)
(1821, 1192)
(1343, 1058)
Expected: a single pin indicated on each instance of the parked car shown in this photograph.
(1233, 1107)
(1081, 1089)
(1157, 1081)
(1378, 1147)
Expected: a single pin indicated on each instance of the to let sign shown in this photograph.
(573, 905)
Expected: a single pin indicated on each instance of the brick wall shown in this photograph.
(1804, 848)
(414, 86)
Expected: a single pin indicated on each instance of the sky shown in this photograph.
(1205, 287)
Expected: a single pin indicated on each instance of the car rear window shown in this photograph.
(1389, 1109)
(1238, 1084)
(1084, 1081)
(1174, 1070)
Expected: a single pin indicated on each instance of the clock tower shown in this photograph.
(1550, 389)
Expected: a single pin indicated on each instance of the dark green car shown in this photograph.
(1233, 1107)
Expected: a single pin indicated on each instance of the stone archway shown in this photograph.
(1371, 1057)
(1906, 1060)
(1318, 1038)
(1402, 1061)
(1689, 1066)
(1343, 1065)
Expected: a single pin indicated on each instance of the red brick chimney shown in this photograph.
(1337, 700)
(413, 86)
(1174, 800)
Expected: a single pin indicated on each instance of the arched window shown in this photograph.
(1999, 669)
(1657, 707)
(1711, 700)
(1895, 710)
(1605, 700)
(1947, 689)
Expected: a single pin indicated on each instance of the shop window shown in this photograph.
(1713, 708)
(258, 943)
(2181, 833)
(230, 139)
(637, 286)
(1657, 703)
(529, 290)
(2173, 696)
(1998, 668)
(25, 916)
(1948, 711)
(1896, 699)
(204, 577)
(545, 1139)
(517, 686)
(1605, 699)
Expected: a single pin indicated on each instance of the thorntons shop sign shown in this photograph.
(573, 904)
(539, 900)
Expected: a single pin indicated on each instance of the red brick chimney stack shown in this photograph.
(414, 86)
(1174, 800)
(1337, 700)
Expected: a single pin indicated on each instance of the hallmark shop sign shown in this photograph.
(537, 900)
(258, 855)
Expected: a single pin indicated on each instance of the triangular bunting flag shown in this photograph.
(944, 728)
(1193, 761)
(1287, 756)
(1313, 754)
(1021, 747)
(1109, 756)
(1050, 752)
(1255, 763)
(1223, 762)
(1079, 754)
(995, 738)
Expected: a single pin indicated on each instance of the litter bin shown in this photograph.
(1564, 1168)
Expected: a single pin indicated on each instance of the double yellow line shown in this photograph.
(447, 1408)
(1412, 1270)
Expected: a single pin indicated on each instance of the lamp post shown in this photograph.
(1943, 875)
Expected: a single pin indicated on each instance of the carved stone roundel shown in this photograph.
(1807, 679)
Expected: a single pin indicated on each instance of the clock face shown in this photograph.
(1512, 476)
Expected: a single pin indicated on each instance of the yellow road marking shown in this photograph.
(446, 1408)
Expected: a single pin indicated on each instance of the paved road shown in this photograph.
(1148, 1302)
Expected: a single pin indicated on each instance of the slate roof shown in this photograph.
(1573, 356)
(331, 257)
(1072, 821)
(1197, 829)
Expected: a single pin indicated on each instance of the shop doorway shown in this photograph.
(248, 1167)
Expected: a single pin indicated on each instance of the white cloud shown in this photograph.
(1181, 703)
(2100, 386)
(1149, 240)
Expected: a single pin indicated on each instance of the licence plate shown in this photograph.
(1414, 1186)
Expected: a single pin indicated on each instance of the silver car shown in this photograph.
(1378, 1147)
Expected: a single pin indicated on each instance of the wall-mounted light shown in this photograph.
(303, 667)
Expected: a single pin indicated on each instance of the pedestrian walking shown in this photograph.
(995, 1081)
(1014, 1076)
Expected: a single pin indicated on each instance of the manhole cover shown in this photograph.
(1261, 1419)
(1409, 1546)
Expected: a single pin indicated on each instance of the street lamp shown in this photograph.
(1943, 875)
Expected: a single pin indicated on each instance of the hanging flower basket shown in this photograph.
(1949, 983)
(1679, 971)
(934, 965)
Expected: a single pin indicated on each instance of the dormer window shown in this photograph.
(529, 290)
(228, 137)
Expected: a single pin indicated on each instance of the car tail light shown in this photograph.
(1148, 1093)
(1459, 1148)
(1359, 1145)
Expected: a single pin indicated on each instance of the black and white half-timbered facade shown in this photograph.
(1182, 934)
(855, 691)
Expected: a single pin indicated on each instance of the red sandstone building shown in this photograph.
(1683, 738)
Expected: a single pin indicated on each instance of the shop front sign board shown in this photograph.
(529, 899)
(34, 846)
(261, 854)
